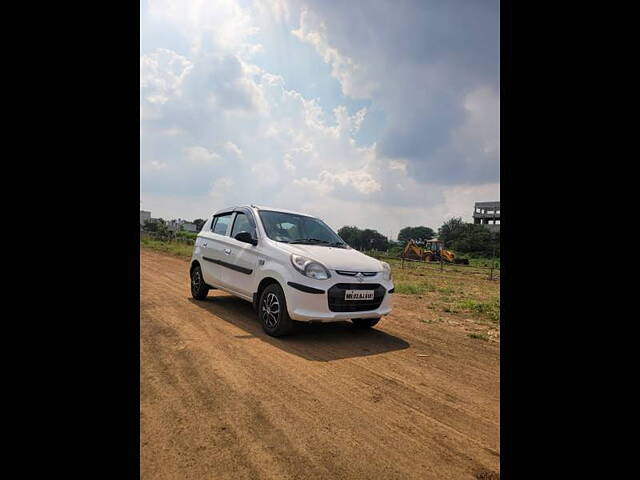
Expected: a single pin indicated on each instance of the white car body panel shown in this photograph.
(239, 268)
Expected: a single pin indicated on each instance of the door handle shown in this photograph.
(227, 251)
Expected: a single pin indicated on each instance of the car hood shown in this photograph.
(336, 258)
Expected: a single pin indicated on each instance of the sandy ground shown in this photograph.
(222, 400)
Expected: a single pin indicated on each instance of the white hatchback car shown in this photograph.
(291, 266)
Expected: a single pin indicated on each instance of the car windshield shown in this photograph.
(300, 229)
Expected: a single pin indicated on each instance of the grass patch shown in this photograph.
(461, 292)
(446, 290)
(488, 309)
(485, 262)
(478, 336)
(409, 288)
(174, 248)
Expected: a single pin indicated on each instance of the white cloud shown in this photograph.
(201, 155)
(483, 122)
(459, 200)
(361, 181)
(219, 24)
(219, 191)
(233, 148)
(398, 165)
(350, 74)
(222, 125)
(298, 155)
(155, 165)
(162, 74)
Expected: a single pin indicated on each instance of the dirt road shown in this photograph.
(222, 400)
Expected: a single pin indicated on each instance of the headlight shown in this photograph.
(309, 268)
(386, 271)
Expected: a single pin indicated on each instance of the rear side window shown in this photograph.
(220, 223)
(241, 224)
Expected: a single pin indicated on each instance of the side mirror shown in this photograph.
(246, 238)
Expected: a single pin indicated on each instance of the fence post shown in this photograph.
(493, 263)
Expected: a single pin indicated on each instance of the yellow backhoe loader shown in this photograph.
(413, 251)
(433, 251)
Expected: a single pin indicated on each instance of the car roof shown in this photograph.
(260, 207)
(283, 210)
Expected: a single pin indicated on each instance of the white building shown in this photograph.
(181, 225)
(487, 214)
(174, 225)
(144, 216)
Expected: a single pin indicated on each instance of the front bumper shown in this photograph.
(305, 307)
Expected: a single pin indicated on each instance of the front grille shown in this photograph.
(349, 273)
(337, 303)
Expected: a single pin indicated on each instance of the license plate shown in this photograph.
(358, 295)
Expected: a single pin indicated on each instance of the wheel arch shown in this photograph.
(264, 283)
(194, 264)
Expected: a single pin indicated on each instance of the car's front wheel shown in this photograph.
(272, 311)
(199, 289)
(365, 322)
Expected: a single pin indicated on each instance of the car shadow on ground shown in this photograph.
(317, 342)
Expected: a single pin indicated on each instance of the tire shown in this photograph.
(272, 311)
(199, 289)
(365, 322)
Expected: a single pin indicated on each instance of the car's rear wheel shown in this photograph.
(199, 289)
(365, 322)
(272, 311)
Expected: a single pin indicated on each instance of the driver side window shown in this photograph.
(221, 223)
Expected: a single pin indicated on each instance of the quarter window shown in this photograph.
(220, 224)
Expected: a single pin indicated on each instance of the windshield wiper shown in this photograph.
(308, 240)
(337, 244)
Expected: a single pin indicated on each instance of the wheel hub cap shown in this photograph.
(270, 310)
(195, 280)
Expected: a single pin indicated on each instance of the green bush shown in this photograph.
(189, 235)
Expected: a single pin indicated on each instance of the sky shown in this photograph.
(378, 114)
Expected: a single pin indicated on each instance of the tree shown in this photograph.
(159, 228)
(476, 239)
(199, 222)
(363, 239)
(351, 235)
(451, 231)
(416, 233)
(150, 226)
(469, 238)
(374, 239)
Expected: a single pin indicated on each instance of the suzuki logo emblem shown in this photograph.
(359, 276)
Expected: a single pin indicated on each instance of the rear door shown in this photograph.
(213, 249)
(242, 257)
